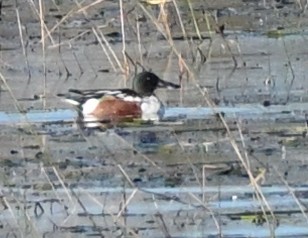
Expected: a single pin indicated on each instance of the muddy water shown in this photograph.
(180, 177)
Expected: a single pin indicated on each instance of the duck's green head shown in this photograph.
(145, 83)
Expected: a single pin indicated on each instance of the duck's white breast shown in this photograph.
(152, 109)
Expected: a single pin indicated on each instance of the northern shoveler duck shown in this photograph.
(116, 105)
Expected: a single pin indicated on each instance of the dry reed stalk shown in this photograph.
(104, 49)
(16, 103)
(92, 4)
(62, 183)
(8, 206)
(24, 51)
(254, 181)
(114, 218)
(139, 42)
(43, 171)
(243, 160)
(100, 36)
(217, 224)
(77, 10)
(127, 202)
(125, 63)
(194, 20)
(42, 24)
(169, 40)
(111, 51)
(302, 208)
(86, 211)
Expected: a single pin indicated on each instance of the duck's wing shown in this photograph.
(78, 97)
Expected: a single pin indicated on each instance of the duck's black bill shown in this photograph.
(169, 85)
